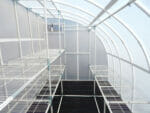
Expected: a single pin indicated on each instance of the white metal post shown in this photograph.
(30, 31)
(89, 52)
(48, 59)
(39, 35)
(65, 50)
(95, 55)
(18, 29)
(59, 34)
(77, 52)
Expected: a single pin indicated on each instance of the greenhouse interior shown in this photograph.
(74, 56)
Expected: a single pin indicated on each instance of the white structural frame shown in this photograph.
(119, 20)
(110, 15)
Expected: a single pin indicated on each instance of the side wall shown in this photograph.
(18, 23)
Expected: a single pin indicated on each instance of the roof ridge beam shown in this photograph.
(108, 6)
(39, 1)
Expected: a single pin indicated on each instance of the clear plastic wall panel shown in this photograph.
(71, 40)
(92, 53)
(83, 37)
(110, 61)
(83, 67)
(104, 41)
(43, 44)
(42, 29)
(101, 58)
(141, 91)
(23, 22)
(117, 76)
(141, 26)
(104, 44)
(63, 59)
(108, 41)
(115, 72)
(36, 46)
(53, 40)
(26, 48)
(126, 82)
(138, 57)
(101, 55)
(71, 67)
(7, 20)
(3, 93)
(13, 53)
(119, 45)
(34, 26)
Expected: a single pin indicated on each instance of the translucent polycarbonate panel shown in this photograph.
(71, 67)
(23, 26)
(101, 55)
(36, 46)
(30, 4)
(69, 7)
(7, 19)
(34, 26)
(117, 39)
(13, 53)
(99, 48)
(116, 71)
(127, 81)
(104, 43)
(137, 108)
(83, 65)
(26, 48)
(141, 91)
(138, 56)
(53, 40)
(42, 28)
(107, 38)
(83, 5)
(76, 16)
(71, 41)
(83, 41)
(145, 3)
(141, 26)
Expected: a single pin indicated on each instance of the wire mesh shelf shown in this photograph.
(22, 80)
(104, 78)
